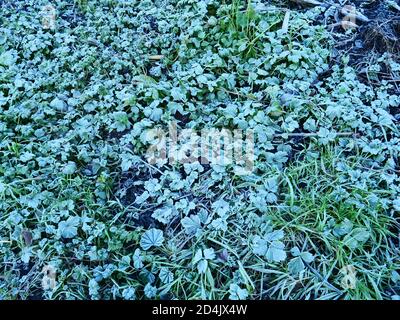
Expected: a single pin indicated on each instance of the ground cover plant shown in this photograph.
(84, 215)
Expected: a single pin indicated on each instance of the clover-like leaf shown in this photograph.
(202, 266)
(201, 259)
(270, 246)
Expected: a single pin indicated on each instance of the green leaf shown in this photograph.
(296, 265)
(236, 293)
(137, 259)
(166, 276)
(150, 291)
(202, 266)
(69, 228)
(276, 252)
(152, 238)
(191, 224)
(7, 58)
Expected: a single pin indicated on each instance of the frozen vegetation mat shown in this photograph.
(311, 213)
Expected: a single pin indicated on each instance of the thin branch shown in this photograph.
(309, 2)
(339, 134)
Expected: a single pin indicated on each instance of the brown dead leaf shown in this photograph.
(27, 235)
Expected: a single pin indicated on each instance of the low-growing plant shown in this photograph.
(317, 218)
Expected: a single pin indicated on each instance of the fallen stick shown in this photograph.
(354, 15)
(350, 14)
(338, 134)
(309, 2)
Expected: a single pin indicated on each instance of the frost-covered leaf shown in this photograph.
(58, 104)
(69, 168)
(236, 293)
(296, 265)
(221, 207)
(177, 94)
(152, 238)
(164, 215)
(276, 252)
(269, 246)
(209, 254)
(26, 156)
(69, 228)
(191, 224)
(396, 204)
(150, 291)
(137, 259)
(343, 228)
(166, 276)
(7, 58)
(202, 266)
(129, 293)
(356, 238)
(198, 256)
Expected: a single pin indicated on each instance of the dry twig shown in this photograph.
(309, 2)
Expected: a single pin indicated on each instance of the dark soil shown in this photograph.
(127, 192)
(183, 119)
(372, 39)
(380, 35)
